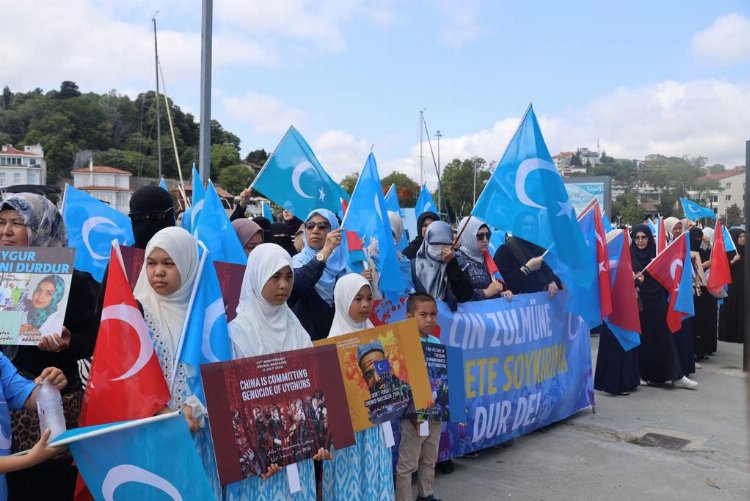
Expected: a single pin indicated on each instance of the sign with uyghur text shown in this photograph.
(34, 290)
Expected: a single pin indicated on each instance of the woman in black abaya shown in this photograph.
(731, 318)
(658, 358)
(704, 321)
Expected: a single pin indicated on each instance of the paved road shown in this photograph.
(596, 457)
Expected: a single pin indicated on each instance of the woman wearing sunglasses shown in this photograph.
(316, 269)
(473, 256)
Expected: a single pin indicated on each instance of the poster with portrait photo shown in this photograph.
(279, 408)
(445, 372)
(384, 372)
(34, 289)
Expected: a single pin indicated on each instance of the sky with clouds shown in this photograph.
(638, 76)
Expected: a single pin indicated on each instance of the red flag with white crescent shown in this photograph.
(667, 269)
(720, 274)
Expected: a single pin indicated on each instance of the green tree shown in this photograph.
(222, 156)
(236, 178)
(258, 157)
(349, 182)
(626, 209)
(575, 160)
(458, 184)
(121, 159)
(734, 216)
(6, 98)
(716, 168)
(68, 89)
(407, 189)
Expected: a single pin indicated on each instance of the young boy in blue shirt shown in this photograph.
(419, 451)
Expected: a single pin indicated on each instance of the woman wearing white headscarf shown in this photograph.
(260, 328)
(472, 257)
(316, 269)
(435, 270)
(365, 470)
(673, 226)
(165, 311)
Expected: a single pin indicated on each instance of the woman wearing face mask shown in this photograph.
(658, 359)
(264, 325)
(28, 219)
(363, 471)
(163, 290)
(472, 257)
(316, 269)
(435, 270)
(732, 315)
(423, 222)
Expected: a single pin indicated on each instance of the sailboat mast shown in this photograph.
(158, 122)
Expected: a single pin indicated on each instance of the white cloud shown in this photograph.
(264, 114)
(461, 26)
(341, 153)
(726, 41)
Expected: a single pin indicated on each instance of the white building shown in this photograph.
(22, 167)
(732, 189)
(108, 184)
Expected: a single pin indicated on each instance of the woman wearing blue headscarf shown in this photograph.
(316, 269)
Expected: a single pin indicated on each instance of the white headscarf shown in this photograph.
(346, 289)
(170, 311)
(469, 243)
(261, 328)
(709, 233)
(669, 224)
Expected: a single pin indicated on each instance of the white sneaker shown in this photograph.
(686, 383)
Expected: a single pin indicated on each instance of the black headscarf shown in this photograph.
(266, 225)
(696, 238)
(151, 209)
(641, 258)
(420, 221)
(280, 235)
(735, 233)
(523, 250)
(292, 225)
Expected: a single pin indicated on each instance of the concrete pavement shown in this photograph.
(597, 456)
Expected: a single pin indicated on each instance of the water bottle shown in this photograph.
(50, 409)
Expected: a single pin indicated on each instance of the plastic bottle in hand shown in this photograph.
(49, 407)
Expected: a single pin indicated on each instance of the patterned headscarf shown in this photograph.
(44, 223)
(37, 316)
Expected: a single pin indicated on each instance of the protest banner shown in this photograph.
(384, 372)
(278, 408)
(527, 364)
(34, 289)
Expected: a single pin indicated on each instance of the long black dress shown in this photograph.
(731, 319)
(704, 322)
(658, 358)
(616, 369)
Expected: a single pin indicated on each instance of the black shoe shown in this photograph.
(428, 498)
(444, 467)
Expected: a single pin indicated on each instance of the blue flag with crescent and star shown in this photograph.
(216, 232)
(694, 211)
(294, 179)
(192, 214)
(206, 337)
(526, 196)
(92, 225)
(425, 202)
(152, 458)
(367, 216)
(391, 203)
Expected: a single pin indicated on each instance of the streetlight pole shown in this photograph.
(158, 115)
(439, 135)
(204, 134)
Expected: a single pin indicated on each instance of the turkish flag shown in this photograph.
(624, 304)
(661, 237)
(602, 258)
(720, 274)
(667, 269)
(126, 380)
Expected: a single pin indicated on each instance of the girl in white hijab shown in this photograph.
(164, 288)
(363, 471)
(264, 325)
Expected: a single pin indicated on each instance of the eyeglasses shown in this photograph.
(322, 225)
(139, 217)
(485, 235)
